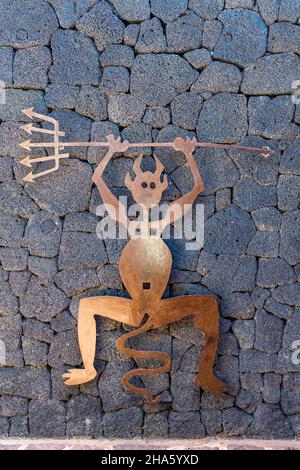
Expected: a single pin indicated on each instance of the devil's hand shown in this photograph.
(116, 145)
(185, 145)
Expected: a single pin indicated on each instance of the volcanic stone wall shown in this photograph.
(151, 70)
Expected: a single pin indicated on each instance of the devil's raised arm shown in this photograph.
(178, 208)
(113, 206)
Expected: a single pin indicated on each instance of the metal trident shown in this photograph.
(59, 145)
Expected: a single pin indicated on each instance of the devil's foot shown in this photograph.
(212, 384)
(79, 376)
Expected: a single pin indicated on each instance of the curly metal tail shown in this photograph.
(120, 343)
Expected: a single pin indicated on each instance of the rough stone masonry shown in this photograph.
(149, 70)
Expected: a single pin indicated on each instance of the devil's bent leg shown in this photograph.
(206, 312)
(115, 308)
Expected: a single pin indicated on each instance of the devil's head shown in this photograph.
(147, 187)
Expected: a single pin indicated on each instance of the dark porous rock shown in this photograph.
(248, 400)
(290, 402)
(131, 33)
(267, 219)
(151, 37)
(208, 9)
(271, 75)
(270, 422)
(64, 350)
(18, 282)
(168, 10)
(286, 362)
(229, 231)
(212, 402)
(112, 393)
(66, 190)
(289, 162)
(235, 422)
(191, 359)
(268, 332)
(212, 420)
(280, 310)
(274, 272)
(155, 426)
(27, 382)
(227, 368)
(290, 233)
(289, 294)
(243, 39)
(185, 33)
(257, 361)
(187, 332)
(185, 110)
(35, 352)
(76, 280)
(271, 390)
(60, 96)
(223, 118)
(288, 189)
(80, 222)
(64, 321)
(182, 259)
(43, 267)
(157, 79)
(6, 64)
(13, 406)
(31, 67)
(101, 24)
(68, 11)
(106, 342)
(42, 234)
(123, 424)
(250, 196)
(212, 30)
(14, 259)
(8, 301)
(157, 116)
(291, 330)
(264, 244)
(284, 37)
(260, 296)
(252, 381)
(37, 330)
(186, 425)
(228, 345)
(205, 262)
(42, 300)
(295, 423)
(47, 418)
(19, 427)
(199, 58)
(132, 10)
(268, 117)
(232, 273)
(244, 331)
(92, 102)
(117, 55)
(26, 27)
(170, 158)
(79, 249)
(269, 10)
(115, 80)
(15, 201)
(186, 395)
(75, 59)
(4, 427)
(100, 130)
(109, 277)
(218, 77)
(125, 109)
(84, 417)
(223, 199)
(11, 230)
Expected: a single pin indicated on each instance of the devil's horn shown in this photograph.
(137, 165)
(159, 166)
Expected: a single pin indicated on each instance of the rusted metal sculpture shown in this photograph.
(145, 264)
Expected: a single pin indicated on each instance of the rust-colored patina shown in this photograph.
(145, 266)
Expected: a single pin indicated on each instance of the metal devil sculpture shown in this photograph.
(145, 262)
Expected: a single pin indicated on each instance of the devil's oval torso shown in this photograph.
(145, 267)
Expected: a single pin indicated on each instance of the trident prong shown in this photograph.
(30, 128)
(177, 144)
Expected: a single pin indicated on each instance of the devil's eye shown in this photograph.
(152, 185)
(144, 184)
